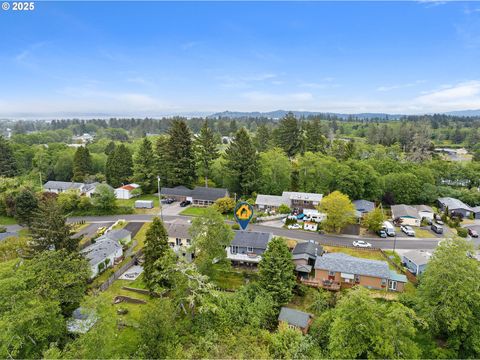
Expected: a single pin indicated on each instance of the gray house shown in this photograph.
(304, 255)
(363, 207)
(416, 261)
(247, 247)
(455, 206)
(200, 196)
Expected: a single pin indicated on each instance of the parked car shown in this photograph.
(407, 230)
(294, 227)
(185, 203)
(437, 228)
(168, 201)
(473, 233)
(382, 233)
(362, 244)
(300, 216)
(439, 222)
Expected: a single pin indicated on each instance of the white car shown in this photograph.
(294, 227)
(362, 244)
(407, 230)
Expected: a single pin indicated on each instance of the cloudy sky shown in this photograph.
(156, 58)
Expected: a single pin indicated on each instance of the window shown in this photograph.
(234, 249)
(357, 278)
(393, 285)
(189, 242)
(331, 273)
(249, 249)
(178, 241)
(384, 282)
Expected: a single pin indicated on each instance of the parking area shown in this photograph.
(172, 209)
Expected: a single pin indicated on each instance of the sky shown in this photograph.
(124, 58)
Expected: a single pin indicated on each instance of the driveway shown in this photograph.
(476, 227)
(172, 209)
(90, 231)
(133, 227)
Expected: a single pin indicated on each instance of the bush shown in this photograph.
(3, 229)
(235, 227)
(224, 205)
(462, 232)
(284, 209)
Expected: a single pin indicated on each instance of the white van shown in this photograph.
(389, 229)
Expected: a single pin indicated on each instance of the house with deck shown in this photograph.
(299, 200)
(199, 196)
(247, 247)
(335, 271)
(179, 239)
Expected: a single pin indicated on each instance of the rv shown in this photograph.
(389, 229)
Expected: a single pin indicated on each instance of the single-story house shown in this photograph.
(292, 199)
(363, 207)
(125, 192)
(102, 254)
(416, 260)
(122, 236)
(454, 206)
(81, 321)
(295, 319)
(58, 187)
(408, 214)
(304, 255)
(334, 271)
(199, 196)
(425, 212)
(247, 247)
(310, 226)
(179, 239)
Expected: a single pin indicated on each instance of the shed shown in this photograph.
(295, 319)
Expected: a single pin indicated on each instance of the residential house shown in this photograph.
(416, 260)
(58, 187)
(179, 239)
(334, 271)
(454, 206)
(295, 319)
(247, 247)
(425, 212)
(304, 255)
(408, 214)
(476, 211)
(310, 226)
(126, 192)
(83, 139)
(199, 196)
(102, 254)
(292, 199)
(363, 207)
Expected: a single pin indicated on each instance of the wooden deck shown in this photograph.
(333, 286)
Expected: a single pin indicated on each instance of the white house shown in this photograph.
(425, 211)
(102, 254)
(58, 187)
(125, 192)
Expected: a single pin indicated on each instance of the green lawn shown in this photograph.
(200, 211)
(5, 220)
(233, 279)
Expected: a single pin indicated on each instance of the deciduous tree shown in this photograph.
(340, 211)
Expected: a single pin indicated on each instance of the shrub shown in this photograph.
(224, 205)
(3, 229)
(462, 232)
(235, 227)
(284, 209)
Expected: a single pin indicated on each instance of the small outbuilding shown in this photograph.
(144, 204)
(295, 319)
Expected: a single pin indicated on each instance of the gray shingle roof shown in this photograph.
(339, 262)
(198, 193)
(404, 211)
(294, 317)
(419, 257)
(118, 234)
(364, 205)
(62, 185)
(100, 250)
(453, 204)
(310, 248)
(303, 268)
(271, 200)
(178, 231)
(424, 208)
(253, 239)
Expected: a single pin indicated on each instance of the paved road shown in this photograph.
(387, 244)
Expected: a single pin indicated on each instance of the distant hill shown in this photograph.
(278, 114)
(464, 113)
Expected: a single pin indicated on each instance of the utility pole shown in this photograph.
(159, 198)
(41, 184)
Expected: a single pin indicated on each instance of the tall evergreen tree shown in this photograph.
(262, 138)
(119, 165)
(206, 150)
(242, 163)
(156, 247)
(8, 164)
(144, 172)
(26, 204)
(161, 160)
(315, 141)
(49, 229)
(110, 148)
(277, 271)
(180, 155)
(82, 164)
(288, 135)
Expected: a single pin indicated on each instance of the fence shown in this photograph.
(104, 286)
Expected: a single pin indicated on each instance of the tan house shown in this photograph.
(334, 271)
(179, 239)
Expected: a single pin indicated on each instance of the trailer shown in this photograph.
(144, 204)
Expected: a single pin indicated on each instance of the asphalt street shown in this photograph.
(386, 244)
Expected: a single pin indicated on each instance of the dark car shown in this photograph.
(382, 233)
(185, 203)
(168, 201)
(473, 233)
